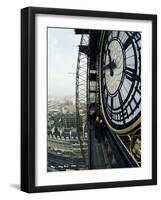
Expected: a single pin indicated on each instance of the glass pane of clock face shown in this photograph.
(120, 71)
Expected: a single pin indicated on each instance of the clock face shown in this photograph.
(120, 78)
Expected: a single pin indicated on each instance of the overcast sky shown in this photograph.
(62, 60)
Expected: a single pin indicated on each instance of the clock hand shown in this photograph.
(109, 51)
(111, 64)
(110, 67)
(111, 71)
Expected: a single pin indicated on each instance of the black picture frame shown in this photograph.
(28, 98)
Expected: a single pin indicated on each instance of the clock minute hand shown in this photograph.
(110, 60)
(108, 66)
(111, 64)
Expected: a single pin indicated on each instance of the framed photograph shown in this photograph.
(88, 99)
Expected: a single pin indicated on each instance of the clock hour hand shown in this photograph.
(110, 66)
(113, 64)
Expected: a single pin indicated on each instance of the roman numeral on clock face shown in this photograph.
(120, 98)
(128, 41)
(131, 74)
(111, 106)
(111, 103)
(118, 33)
